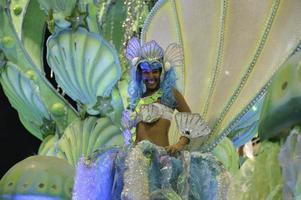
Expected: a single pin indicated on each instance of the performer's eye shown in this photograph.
(156, 71)
(156, 65)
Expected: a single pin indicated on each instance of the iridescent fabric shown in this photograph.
(146, 171)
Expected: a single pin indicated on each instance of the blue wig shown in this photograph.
(137, 88)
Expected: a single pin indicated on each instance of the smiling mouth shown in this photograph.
(150, 81)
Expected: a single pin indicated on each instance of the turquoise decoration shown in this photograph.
(282, 105)
(15, 53)
(38, 177)
(247, 126)
(85, 65)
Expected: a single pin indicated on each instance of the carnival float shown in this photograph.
(241, 73)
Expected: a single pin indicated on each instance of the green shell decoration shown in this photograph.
(84, 64)
(23, 95)
(282, 104)
(82, 138)
(231, 51)
(38, 177)
(15, 51)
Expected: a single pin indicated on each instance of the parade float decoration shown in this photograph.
(232, 50)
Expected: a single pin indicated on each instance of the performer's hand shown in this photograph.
(173, 149)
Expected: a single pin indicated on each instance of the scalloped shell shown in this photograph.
(151, 51)
(192, 125)
(82, 138)
(133, 50)
(84, 64)
(173, 56)
(23, 94)
(149, 113)
(231, 51)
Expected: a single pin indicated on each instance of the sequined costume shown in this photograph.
(145, 170)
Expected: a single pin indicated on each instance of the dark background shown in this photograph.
(16, 143)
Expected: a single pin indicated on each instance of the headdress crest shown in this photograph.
(150, 51)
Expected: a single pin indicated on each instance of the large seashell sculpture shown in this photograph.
(231, 50)
(23, 94)
(38, 177)
(82, 138)
(84, 64)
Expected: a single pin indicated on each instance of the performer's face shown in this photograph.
(151, 72)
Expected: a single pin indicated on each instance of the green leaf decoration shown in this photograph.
(226, 153)
(282, 104)
(231, 51)
(64, 7)
(111, 15)
(85, 65)
(82, 138)
(38, 177)
(290, 162)
(259, 178)
(18, 9)
(14, 52)
(23, 94)
(33, 33)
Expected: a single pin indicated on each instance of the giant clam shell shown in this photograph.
(83, 137)
(84, 64)
(24, 96)
(231, 50)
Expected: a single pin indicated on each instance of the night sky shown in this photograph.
(16, 143)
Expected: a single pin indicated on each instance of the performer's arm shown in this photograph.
(182, 106)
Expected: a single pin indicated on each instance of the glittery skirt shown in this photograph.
(146, 171)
